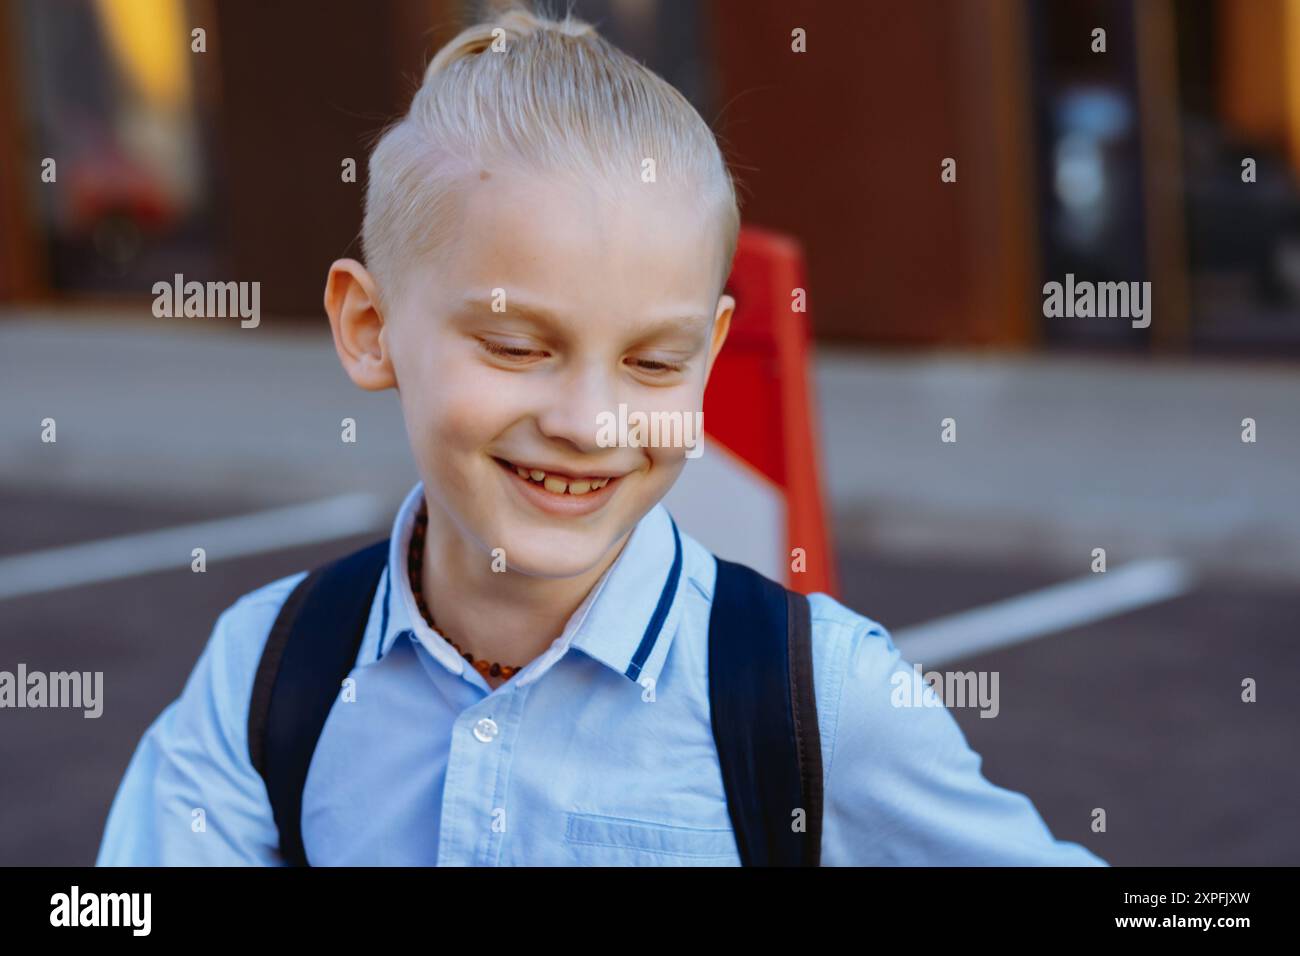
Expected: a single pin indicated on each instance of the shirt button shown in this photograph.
(485, 729)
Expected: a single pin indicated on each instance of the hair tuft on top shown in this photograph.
(516, 21)
(558, 99)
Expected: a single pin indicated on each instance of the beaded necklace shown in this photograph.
(414, 564)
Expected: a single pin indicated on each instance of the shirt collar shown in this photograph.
(627, 622)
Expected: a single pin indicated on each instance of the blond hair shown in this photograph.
(559, 99)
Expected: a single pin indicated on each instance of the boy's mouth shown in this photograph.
(558, 483)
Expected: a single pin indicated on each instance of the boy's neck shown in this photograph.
(506, 617)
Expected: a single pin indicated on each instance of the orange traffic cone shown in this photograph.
(754, 495)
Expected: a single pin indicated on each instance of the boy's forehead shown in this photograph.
(564, 240)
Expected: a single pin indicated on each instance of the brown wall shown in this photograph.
(842, 146)
(287, 213)
(22, 266)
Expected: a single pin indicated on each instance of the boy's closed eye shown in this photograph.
(514, 351)
(517, 354)
(525, 334)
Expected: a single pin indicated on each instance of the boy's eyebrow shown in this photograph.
(539, 314)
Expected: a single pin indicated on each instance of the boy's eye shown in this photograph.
(508, 351)
(657, 366)
(518, 353)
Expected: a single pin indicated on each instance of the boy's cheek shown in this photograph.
(477, 408)
(449, 398)
(660, 468)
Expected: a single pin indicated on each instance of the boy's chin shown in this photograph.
(556, 556)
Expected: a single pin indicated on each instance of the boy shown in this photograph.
(547, 235)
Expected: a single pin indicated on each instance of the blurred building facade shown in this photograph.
(1123, 160)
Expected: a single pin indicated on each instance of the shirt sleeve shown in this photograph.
(191, 795)
(904, 788)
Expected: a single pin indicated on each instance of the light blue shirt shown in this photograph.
(598, 752)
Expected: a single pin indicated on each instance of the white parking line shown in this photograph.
(112, 558)
(1038, 613)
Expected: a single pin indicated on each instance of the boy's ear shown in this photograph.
(721, 325)
(360, 335)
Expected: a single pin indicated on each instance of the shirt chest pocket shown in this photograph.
(614, 841)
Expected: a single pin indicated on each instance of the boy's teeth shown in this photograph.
(560, 486)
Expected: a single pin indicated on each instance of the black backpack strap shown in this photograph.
(312, 647)
(764, 714)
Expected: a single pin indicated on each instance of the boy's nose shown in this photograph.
(571, 412)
